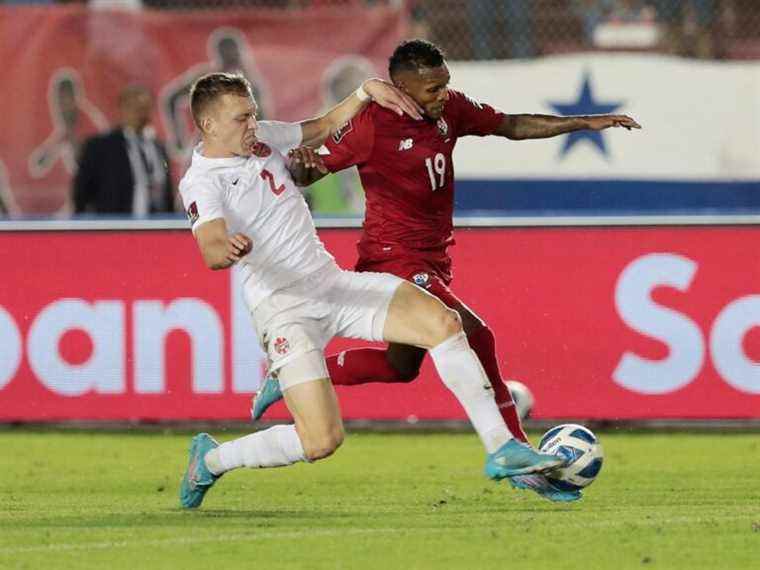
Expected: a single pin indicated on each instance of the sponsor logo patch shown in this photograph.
(342, 131)
(405, 144)
(192, 213)
(281, 345)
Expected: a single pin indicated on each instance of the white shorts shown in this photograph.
(295, 324)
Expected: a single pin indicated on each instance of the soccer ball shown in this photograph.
(582, 450)
(522, 397)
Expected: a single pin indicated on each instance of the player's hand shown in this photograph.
(601, 122)
(387, 95)
(238, 246)
(305, 165)
(307, 157)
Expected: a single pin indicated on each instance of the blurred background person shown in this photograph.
(342, 192)
(491, 20)
(125, 171)
(591, 13)
(688, 26)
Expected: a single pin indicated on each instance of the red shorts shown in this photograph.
(430, 270)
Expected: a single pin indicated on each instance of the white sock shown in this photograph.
(463, 374)
(273, 447)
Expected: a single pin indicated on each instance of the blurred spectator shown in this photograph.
(591, 13)
(487, 17)
(630, 11)
(125, 171)
(341, 192)
(688, 26)
(418, 25)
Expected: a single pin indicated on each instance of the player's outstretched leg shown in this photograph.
(366, 364)
(197, 479)
(316, 434)
(483, 342)
(418, 318)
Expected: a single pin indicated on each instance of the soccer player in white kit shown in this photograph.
(245, 208)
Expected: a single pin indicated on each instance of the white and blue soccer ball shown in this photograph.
(582, 450)
(522, 396)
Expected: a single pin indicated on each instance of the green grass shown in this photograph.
(109, 501)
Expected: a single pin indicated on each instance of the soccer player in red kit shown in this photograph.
(407, 172)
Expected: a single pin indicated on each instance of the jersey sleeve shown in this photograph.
(351, 144)
(281, 135)
(473, 117)
(202, 200)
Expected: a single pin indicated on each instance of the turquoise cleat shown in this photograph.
(541, 485)
(198, 479)
(516, 458)
(268, 394)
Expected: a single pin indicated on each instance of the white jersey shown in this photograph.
(257, 197)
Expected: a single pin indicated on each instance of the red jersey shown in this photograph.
(406, 170)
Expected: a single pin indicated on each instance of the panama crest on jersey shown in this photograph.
(421, 280)
(443, 127)
(342, 131)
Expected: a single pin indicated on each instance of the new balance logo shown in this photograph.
(405, 144)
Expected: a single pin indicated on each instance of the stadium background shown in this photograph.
(618, 269)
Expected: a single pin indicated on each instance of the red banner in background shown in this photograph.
(68, 65)
(599, 322)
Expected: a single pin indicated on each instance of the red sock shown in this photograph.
(483, 343)
(359, 366)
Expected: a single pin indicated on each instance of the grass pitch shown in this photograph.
(109, 501)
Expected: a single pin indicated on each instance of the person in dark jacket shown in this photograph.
(126, 170)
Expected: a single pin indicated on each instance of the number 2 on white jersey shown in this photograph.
(436, 165)
(269, 177)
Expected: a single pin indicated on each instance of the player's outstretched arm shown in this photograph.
(521, 127)
(219, 249)
(315, 131)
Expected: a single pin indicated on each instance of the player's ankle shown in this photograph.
(214, 462)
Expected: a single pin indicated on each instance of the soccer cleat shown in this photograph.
(541, 485)
(268, 394)
(198, 479)
(516, 458)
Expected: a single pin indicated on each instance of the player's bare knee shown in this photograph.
(324, 445)
(448, 324)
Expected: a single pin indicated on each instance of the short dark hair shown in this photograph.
(131, 92)
(212, 86)
(413, 55)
